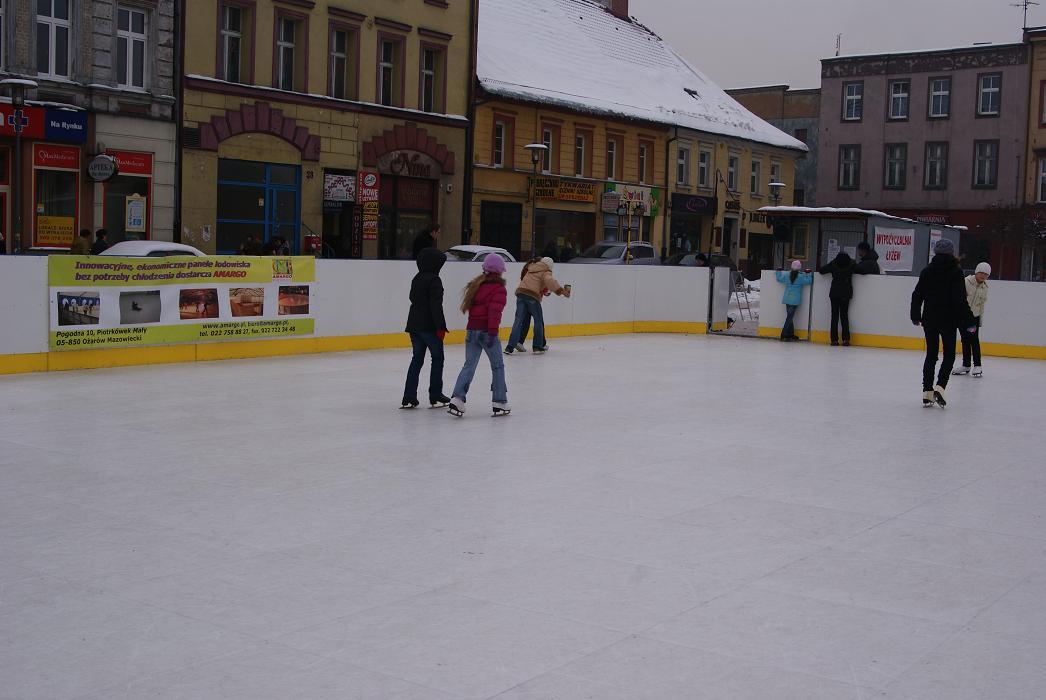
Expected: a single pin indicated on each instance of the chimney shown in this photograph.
(618, 8)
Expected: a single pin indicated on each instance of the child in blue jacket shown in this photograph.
(794, 281)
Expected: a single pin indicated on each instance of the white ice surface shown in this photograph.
(575, 54)
(660, 517)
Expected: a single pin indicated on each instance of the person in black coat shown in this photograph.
(427, 328)
(428, 238)
(868, 260)
(939, 305)
(842, 291)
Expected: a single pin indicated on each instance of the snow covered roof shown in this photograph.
(845, 211)
(576, 55)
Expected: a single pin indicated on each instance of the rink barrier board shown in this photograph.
(205, 352)
(897, 342)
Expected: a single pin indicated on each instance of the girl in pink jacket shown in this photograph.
(483, 300)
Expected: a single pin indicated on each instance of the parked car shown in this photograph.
(613, 253)
(151, 249)
(476, 253)
(689, 260)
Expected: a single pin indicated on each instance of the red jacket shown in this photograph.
(485, 314)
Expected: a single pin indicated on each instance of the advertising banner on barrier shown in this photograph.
(896, 248)
(110, 302)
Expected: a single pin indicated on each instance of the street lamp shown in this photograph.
(537, 152)
(17, 121)
(775, 191)
(628, 208)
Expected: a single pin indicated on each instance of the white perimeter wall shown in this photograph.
(1015, 313)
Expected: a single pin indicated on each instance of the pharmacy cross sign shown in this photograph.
(18, 121)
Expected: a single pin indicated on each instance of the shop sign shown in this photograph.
(692, 204)
(896, 248)
(414, 194)
(40, 123)
(54, 231)
(339, 188)
(131, 163)
(369, 192)
(941, 219)
(102, 167)
(134, 213)
(61, 157)
(610, 202)
(409, 164)
(556, 189)
(732, 205)
(649, 197)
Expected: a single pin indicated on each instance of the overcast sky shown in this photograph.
(742, 43)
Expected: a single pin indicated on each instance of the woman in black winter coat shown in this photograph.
(427, 327)
(842, 271)
(939, 305)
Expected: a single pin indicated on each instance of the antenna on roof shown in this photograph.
(838, 43)
(1024, 4)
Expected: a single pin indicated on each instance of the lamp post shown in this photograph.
(628, 208)
(17, 121)
(537, 152)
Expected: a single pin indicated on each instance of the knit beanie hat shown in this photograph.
(494, 263)
(796, 265)
(985, 268)
(548, 261)
(944, 247)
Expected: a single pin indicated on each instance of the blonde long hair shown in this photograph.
(468, 294)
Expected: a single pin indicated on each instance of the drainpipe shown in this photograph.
(176, 113)
(470, 129)
(668, 195)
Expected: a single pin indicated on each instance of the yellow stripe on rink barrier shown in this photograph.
(204, 352)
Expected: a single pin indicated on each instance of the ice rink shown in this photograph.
(660, 517)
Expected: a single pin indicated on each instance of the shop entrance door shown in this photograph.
(501, 225)
(260, 199)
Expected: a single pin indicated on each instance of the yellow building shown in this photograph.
(319, 121)
(591, 164)
(1033, 253)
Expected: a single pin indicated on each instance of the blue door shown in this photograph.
(257, 199)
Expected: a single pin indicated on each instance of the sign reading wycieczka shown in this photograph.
(409, 164)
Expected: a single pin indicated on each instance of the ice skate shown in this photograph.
(938, 395)
(456, 407)
(541, 350)
(520, 348)
(927, 399)
(978, 372)
(500, 408)
(439, 401)
(961, 371)
(408, 402)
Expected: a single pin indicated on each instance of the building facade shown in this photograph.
(339, 127)
(938, 136)
(795, 112)
(105, 87)
(1031, 225)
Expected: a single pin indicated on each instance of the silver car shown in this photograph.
(613, 253)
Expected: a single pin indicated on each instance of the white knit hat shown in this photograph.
(548, 261)
(983, 267)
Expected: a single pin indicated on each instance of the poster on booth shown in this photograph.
(112, 302)
(935, 235)
(896, 248)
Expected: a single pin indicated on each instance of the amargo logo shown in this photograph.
(282, 269)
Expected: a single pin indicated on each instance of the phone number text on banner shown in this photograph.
(102, 302)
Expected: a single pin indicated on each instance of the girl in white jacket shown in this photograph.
(977, 296)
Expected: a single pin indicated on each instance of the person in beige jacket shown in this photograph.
(976, 297)
(535, 279)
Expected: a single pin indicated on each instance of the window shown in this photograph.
(849, 167)
(896, 163)
(290, 51)
(940, 97)
(899, 93)
(802, 134)
(134, 180)
(799, 242)
(130, 48)
(390, 68)
(732, 164)
(344, 63)
(548, 158)
(52, 37)
(989, 94)
(56, 191)
(683, 166)
(500, 129)
(612, 159)
(643, 158)
(1042, 181)
(432, 72)
(853, 101)
(936, 166)
(704, 165)
(775, 171)
(985, 164)
(234, 44)
(581, 155)
(757, 176)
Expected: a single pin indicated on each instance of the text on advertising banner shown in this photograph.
(896, 248)
(108, 302)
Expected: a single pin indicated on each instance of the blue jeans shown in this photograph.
(789, 328)
(422, 342)
(527, 308)
(473, 349)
